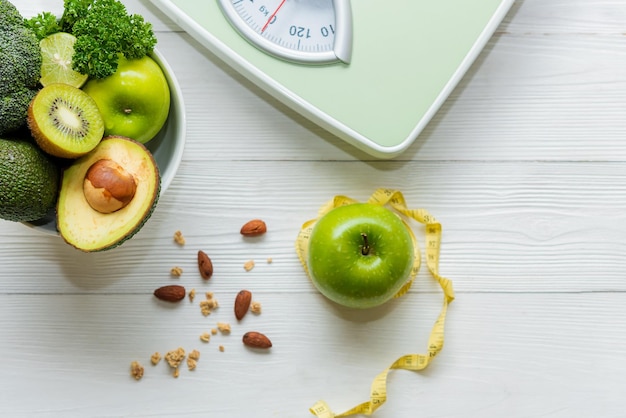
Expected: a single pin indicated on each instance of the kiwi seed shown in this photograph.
(65, 121)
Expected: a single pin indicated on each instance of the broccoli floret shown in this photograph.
(20, 57)
(14, 108)
(9, 15)
(20, 69)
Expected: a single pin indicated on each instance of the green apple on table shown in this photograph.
(360, 255)
(134, 101)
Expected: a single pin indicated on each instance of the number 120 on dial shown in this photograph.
(301, 31)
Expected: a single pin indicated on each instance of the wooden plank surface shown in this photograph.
(524, 166)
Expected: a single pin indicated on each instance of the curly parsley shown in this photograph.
(103, 29)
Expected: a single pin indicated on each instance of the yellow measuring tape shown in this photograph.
(415, 362)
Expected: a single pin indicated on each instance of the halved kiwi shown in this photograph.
(65, 121)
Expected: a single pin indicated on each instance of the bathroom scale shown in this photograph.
(371, 72)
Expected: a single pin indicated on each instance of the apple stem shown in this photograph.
(365, 249)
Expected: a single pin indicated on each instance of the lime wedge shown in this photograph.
(56, 60)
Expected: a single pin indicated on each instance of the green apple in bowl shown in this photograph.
(360, 255)
(134, 101)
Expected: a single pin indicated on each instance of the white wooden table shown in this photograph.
(524, 166)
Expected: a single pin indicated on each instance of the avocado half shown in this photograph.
(89, 229)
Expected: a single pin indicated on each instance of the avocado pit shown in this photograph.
(108, 187)
(107, 195)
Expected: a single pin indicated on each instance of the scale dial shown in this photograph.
(302, 31)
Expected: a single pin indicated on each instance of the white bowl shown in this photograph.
(167, 147)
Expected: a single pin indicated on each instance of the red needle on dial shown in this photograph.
(272, 16)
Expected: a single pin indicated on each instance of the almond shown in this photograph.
(170, 293)
(242, 303)
(256, 340)
(205, 265)
(253, 228)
